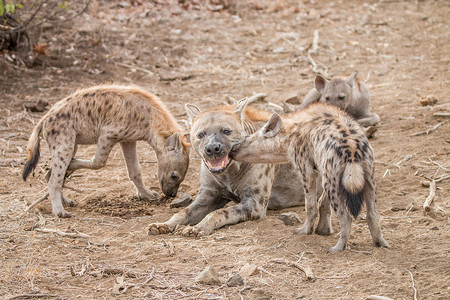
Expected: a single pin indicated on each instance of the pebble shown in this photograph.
(290, 218)
(208, 276)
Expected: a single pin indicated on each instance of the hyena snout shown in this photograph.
(213, 149)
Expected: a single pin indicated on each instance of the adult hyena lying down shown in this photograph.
(322, 140)
(107, 115)
(254, 187)
(349, 94)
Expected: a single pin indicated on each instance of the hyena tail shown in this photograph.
(352, 187)
(33, 151)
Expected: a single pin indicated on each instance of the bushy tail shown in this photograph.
(352, 187)
(33, 151)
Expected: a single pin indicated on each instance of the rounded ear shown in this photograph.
(351, 79)
(273, 126)
(187, 138)
(173, 142)
(320, 83)
(192, 111)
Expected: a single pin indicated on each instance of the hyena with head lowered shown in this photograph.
(349, 94)
(253, 187)
(324, 141)
(106, 115)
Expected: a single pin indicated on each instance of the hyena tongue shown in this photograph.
(218, 164)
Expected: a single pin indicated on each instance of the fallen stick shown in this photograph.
(75, 234)
(256, 97)
(407, 157)
(305, 269)
(441, 114)
(33, 205)
(26, 296)
(413, 285)
(428, 131)
(375, 297)
(137, 68)
(427, 183)
(427, 204)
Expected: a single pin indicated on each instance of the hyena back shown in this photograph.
(322, 141)
(107, 115)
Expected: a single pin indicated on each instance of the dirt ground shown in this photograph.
(195, 54)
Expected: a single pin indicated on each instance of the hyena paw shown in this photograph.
(68, 202)
(304, 230)
(63, 214)
(381, 243)
(336, 248)
(148, 195)
(191, 231)
(158, 228)
(323, 230)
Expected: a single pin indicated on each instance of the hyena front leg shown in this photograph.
(372, 217)
(134, 171)
(207, 200)
(309, 186)
(252, 206)
(104, 147)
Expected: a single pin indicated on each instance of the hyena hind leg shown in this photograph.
(61, 157)
(345, 224)
(372, 218)
(324, 224)
(134, 171)
(104, 147)
(309, 185)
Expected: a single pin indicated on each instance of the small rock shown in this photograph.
(38, 107)
(182, 200)
(290, 218)
(248, 270)
(397, 208)
(235, 280)
(208, 276)
(428, 100)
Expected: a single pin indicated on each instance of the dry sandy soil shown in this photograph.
(197, 55)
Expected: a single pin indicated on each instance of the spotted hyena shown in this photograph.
(349, 94)
(107, 115)
(253, 187)
(324, 141)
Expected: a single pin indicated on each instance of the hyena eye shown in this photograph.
(174, 176)
(201, 135)
(341, 97)
(327, 98)
(227, 132)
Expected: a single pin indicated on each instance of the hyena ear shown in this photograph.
(272, 127)
(240, 107)
(173, 142)
(187, 138)
(192, 111)
(351, 79)
(320, 83)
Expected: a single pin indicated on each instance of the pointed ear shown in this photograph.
(192, 111)
(240, 107)
(272, 127)
(351, 79)
(173, 142)
(320, 83)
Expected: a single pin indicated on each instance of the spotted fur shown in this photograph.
(106, 115)
(253, 187)
(323, 142)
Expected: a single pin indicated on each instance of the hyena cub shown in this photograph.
(322, 140)
(107, 115)
(350, 94)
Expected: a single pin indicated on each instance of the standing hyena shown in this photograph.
(322, 140)
(350, 94)
(107, 115)
(253, 187)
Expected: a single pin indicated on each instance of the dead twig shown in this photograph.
(413, 286)
(441, 114)
(428, 131)
(430, 198)
(33, 205)
(75, 234)
(376, 297)
(26, 296)
(426, 183)
(256, 97)
(137, 68)
(305, 269)
(407, 157)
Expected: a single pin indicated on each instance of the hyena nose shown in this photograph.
(214, 148)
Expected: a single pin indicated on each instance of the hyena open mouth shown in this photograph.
(218, 165)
